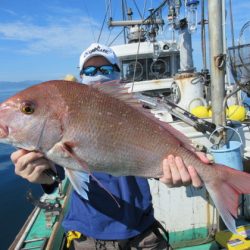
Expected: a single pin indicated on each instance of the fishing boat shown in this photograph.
(156, 69)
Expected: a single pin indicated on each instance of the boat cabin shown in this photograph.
(150, 64)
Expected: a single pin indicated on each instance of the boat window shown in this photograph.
(159, 69)
(133, 70)
(144, 69)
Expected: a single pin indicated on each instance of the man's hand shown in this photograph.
(176, 173)
(31, 166)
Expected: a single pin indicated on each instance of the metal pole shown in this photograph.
(186, 50)
(227, 74)
(217, 61)
(124, 18)
(135, 22)
(203, 36)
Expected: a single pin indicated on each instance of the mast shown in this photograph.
(217, 61)
(124, 17)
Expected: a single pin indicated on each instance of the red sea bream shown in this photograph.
(102, 128)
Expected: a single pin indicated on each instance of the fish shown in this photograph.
(103, 128)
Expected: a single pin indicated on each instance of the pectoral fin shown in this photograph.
(79, 181)
(67, 147)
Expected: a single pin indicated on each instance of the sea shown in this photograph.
(14, 206)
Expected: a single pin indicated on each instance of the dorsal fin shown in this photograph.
(120, 91)
(117, 90)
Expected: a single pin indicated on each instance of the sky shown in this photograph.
(42, 39)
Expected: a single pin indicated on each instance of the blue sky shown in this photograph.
(42, 39)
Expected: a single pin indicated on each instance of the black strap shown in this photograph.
(165, 234)
(124, 244)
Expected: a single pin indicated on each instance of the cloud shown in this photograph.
(66, 35)
(8, 11)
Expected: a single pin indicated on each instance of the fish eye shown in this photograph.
(27, 108)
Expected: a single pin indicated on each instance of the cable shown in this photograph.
(115, 38)
(103, 23)
(91, 25)
(136, 6)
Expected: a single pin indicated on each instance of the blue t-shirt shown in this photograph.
(101, 218)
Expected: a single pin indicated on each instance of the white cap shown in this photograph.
(96, 49)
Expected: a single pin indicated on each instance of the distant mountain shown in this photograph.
(26, 82)
(8, 88)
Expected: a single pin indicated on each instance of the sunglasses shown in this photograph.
(104, 69)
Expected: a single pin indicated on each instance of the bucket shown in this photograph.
(240, 136)
(230, 153)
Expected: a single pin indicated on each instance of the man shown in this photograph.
(102, 224)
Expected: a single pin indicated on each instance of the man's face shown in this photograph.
(96, 61)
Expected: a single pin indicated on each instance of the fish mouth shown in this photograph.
(4, 131)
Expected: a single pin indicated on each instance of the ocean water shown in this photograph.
(14, 207)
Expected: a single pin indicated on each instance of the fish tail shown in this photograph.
(225, 190)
